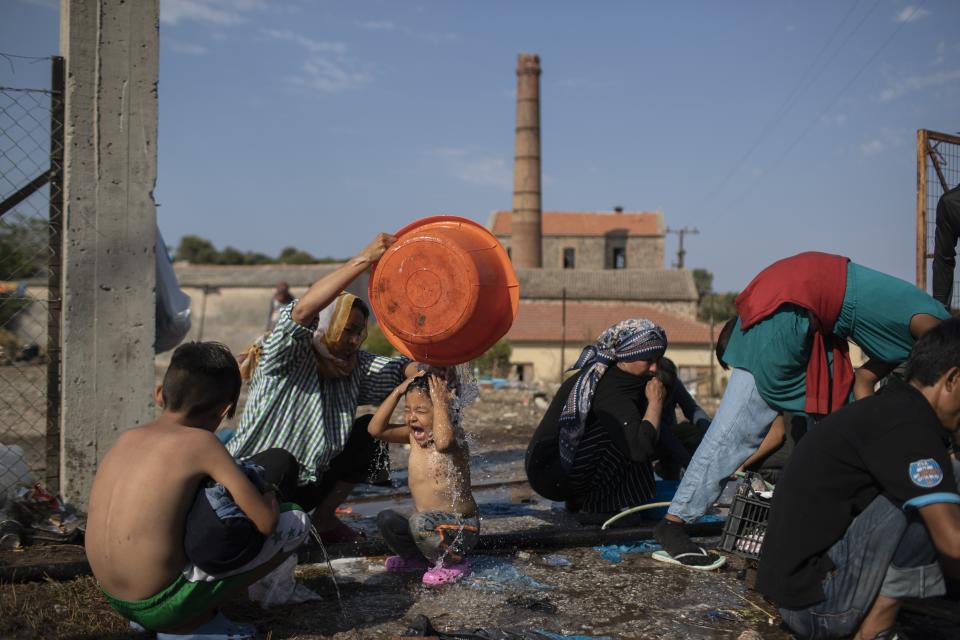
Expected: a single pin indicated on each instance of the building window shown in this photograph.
(569, 258)
(619, 258)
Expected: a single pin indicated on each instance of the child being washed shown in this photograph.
(445, 525)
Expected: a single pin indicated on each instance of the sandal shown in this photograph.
(399, 563)
(445, 574)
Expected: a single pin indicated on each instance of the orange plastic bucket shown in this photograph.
(445, 292)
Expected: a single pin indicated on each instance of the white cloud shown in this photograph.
(328, 76)
(378, 25)
(941, 53)
(837, 120)
(186, 48)
(910, 13)
(474, 168)
(447, 152)
(486, 172)
(320, 72)
(217, 12)
(871, 148)
(917, 83)
(574, 82)
(313, 46)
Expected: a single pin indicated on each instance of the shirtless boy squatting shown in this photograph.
(144, 488)
(445, 526)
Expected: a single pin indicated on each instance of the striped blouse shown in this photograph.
(289, 406)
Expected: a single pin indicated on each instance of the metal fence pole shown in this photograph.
(922, 209)
(54, 305)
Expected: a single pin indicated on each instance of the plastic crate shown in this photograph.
(746, 525)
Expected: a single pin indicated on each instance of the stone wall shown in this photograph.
(596, 252)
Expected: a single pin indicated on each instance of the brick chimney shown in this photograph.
(525, 235)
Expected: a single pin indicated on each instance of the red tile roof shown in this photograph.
(579, 223)
(539, 321)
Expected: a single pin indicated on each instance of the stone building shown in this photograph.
(593, 240)
(563, 310)
(231, 304)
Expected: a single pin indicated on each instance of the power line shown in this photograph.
(829, 106)
(794, 96)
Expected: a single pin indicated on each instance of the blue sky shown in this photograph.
(771, 127)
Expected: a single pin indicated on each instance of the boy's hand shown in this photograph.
(402, 387)
(439, 392)
(373, 251)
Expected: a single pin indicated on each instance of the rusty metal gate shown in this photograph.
(31, 230)
(938, 171)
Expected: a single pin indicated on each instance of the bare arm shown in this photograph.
(866, 378)
(771, 442)
(380, 426)
(326, 289)
(443, 437)
(943, 524)
(921, 323)
(262, 509)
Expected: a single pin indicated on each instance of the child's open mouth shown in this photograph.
(419, 433)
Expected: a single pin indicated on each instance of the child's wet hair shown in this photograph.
(421, 384)
(202, 377)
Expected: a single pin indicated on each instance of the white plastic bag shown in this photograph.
(280, 587)
(173, 305)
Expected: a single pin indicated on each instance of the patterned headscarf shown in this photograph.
(626, 341)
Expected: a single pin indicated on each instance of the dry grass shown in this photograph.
(73, 609)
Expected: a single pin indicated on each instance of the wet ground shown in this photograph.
(571, 589)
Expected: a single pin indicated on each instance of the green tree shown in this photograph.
(231, 255)
(718, 307)
(495, 358)
(254, 257)
(292, 255)
(704, 281)
(23, 247)
(23, 255)
(197, 250)
(377, 343)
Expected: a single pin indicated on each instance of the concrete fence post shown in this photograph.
(110, 168)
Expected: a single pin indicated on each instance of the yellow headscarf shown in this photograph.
(338, 315)
(332, 321)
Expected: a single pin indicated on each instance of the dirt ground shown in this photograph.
(569, 591)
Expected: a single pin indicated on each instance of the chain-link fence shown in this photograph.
(938, 171)
(31, 161)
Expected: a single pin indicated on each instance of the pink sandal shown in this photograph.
(445, 574)
(399, 563)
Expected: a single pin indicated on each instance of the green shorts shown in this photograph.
(194, 591)
(178, 604)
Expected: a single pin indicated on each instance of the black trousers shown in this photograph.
(945, 245)
(361, 456)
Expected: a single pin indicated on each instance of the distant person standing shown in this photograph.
(281, 298)
(945, 245)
